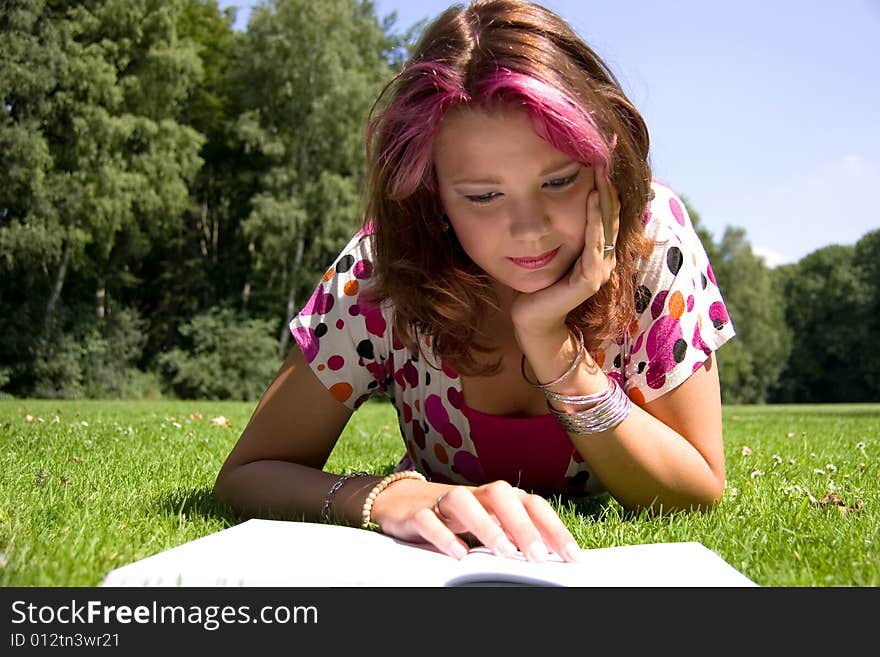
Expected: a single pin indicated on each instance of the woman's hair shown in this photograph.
(488, 54)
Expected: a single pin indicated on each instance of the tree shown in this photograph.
(96, 167)
(866, 318)
(750, 365)
(309, 73)
(825, 297)
(201, 263)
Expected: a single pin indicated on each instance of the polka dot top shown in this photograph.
(679, 319)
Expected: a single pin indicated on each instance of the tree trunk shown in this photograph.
(56, 291)
(284, 335)
(100, 298)
(204, 232)
(249, 277)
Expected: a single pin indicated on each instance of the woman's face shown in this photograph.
(517, 205)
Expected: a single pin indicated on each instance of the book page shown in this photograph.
(280, 553)
(653, 564)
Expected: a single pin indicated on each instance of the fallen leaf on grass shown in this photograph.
(195, 416)
(221, 421)
(833, 499)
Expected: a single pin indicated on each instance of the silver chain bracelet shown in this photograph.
(328, 500)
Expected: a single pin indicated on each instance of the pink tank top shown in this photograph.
(501, 442)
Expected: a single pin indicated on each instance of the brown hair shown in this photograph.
(435, 288)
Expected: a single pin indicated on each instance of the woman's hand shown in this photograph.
(546, 309)
(503, 518)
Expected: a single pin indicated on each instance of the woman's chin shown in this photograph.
(535, 285)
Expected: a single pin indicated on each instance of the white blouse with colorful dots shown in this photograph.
(679, 319)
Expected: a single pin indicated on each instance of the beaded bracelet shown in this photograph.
(367, 512)
(600, 417)
(582, 351)
(328, 500)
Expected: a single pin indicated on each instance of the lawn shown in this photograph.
(91, 485)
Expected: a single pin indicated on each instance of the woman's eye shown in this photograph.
(559, 183)
(482, 198)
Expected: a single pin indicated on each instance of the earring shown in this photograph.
(444, 222)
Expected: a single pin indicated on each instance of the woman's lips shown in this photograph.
(537, 262)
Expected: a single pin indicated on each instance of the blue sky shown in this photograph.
(764, 114)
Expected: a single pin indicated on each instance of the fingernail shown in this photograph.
(571, 551)
(504, 547)
(537, 551)
(458, 550)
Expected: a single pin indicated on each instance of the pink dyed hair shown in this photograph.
(413, 119)
(493, 54)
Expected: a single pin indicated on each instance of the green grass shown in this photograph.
(91, 485)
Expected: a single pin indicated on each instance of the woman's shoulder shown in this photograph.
(677, 245)
(667, 213)
(355, 255)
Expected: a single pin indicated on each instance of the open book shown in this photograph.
(279, 553)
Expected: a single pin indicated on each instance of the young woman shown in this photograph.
(540, 311)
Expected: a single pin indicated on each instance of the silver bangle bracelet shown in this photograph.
(582, 400)
(601, 417)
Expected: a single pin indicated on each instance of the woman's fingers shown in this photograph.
(553, 531)
(609, 204)
(505, 503)
(594, 237)
(434, 530)
(466, 513)
(503, 518)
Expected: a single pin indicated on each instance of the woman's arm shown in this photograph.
(670, 453)
(276, 467)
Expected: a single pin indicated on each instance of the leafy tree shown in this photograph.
(202, 263)
(224, 355)
(825, 297)
(96, 167)
(866, 262)
(308, 75)
(750, 365)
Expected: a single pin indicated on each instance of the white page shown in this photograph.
(279, 553)
(276, 553)
(653, 564)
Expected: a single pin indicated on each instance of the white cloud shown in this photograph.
(833, 203)
(770, 257)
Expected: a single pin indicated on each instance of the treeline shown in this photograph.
(805, 331)
(171, 189)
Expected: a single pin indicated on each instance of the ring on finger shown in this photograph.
(608, 248)
(444, 519)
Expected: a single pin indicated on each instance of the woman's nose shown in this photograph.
(529, 220)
